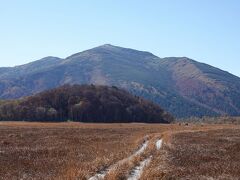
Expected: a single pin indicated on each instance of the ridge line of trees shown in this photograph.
(84, 103)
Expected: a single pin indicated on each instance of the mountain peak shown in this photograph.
(111, 49)
(107, 45)
(46, 61)
(182, 86)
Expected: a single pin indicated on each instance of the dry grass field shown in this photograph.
(213, 154)
(79, 151)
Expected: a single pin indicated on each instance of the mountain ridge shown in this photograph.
(182, 86)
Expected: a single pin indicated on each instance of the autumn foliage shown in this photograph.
(85, 103)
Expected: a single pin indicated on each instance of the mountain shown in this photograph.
(84, 103)
(182, 86)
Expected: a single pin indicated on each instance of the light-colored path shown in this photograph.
(102, 174)
(137, 171)
(159, 144)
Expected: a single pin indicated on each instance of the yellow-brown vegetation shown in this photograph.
(78, 150)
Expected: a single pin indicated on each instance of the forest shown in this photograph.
(83, 103)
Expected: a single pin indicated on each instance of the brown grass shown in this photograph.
(66, 150)
(78, 151)
(206, 154)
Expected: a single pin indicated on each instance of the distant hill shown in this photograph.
(182, 86)
(84, 103)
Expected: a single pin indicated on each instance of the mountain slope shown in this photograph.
(84, 103)
(205, 85)
(180, 85)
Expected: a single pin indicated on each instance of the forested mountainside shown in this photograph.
(83, 103)
(182, 86)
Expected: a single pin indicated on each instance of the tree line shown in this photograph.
(83, 103)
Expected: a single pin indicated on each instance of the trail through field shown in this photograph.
(137, 171)
(103, 173)
(159, 144)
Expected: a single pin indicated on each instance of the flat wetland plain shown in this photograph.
(79, 150)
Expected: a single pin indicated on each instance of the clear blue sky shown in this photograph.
(205, 30)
